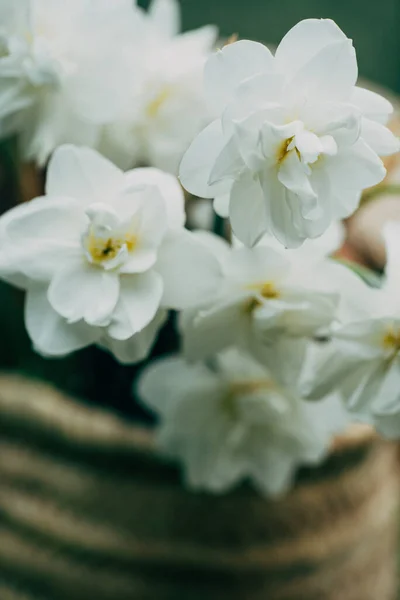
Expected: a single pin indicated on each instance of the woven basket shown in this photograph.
(87, 511)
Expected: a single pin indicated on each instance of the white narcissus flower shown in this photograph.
(62, 70)
(234, 423)
(296, 142)
(101, 254)
(167, 107)
(362, 361)
(270, 302)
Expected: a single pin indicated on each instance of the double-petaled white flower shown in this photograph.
(233, 422)
(167, 107)
(362, 361)
(62, 70)
(296, 142)
(270, 302)
(101, 253)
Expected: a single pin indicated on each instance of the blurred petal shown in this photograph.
(139, 300)
(49, 332)
(80, 291)
(379, 138)
(83, 174)
(372, 105)
(137, 347)
(199, 160)
(248, 213)
(190, 271)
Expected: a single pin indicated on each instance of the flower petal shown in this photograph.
(139, 300)
(293, 176)
(328, 75)
(165, 17)
(260, 92)
(247, 210)
(43, 233)
(379, 138)
(206, 333)
(190, 271)
(80, 291)
(254, 266)
(372, 105)
(50, 333)
(227, 68)
(137, 347)
(199, 160)
(305, 40)
(228, 163)
(83, 174)
(280, 216)
(355, 168)
(169, 188)
(221, 205)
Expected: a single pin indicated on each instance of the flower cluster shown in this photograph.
(102, 255)
(296, 141)
(102, 74)
(282, 345)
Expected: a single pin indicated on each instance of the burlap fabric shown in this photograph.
(87, 511)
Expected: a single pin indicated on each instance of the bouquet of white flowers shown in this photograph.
(281, 346)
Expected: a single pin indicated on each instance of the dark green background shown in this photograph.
(374, 25)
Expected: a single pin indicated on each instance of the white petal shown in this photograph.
(247, 210)
(43, 233)
(228, 163)
(167, 380)
(281, 222)
(328, 75)
(355, 168)
(49, 332)
(293, 176)
(151, 219)
(80, 291)
(199, 41)
(83, 174)
(304, 41)
(341, 121)
(249, 266)
(137, 347)
(139, 261)
(372, 105)
(332, 374)
(262, 91)
(227, 68)
(379, 138)
(190, 271)
(211, 331)
(218, 246)
(199, 160)
(139, 300)
(169, 188)
(221, 205)
(165, 17)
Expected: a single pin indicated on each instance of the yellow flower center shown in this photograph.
(105, 249)
(153, 108)
(241, 388)
(266, 290)
(391, 340)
